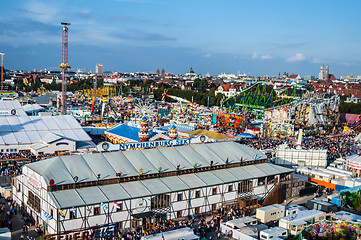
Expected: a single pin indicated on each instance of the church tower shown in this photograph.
(321, 75)
(327, 73)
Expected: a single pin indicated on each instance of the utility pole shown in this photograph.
(2, 71)
(64, 66)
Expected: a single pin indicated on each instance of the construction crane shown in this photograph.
(64, 66)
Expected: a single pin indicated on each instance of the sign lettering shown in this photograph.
(102, 232)
(152, 144)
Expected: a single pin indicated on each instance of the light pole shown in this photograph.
(2, 71)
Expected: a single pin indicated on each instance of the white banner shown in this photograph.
(108, 146)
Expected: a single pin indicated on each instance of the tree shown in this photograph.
(197, 82)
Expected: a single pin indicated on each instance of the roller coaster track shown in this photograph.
(243, 91)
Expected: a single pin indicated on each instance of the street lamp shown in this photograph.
(2, 71)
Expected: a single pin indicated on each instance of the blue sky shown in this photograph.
(259, 37)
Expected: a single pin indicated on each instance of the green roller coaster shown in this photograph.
(261, 96)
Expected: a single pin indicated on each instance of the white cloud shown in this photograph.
(316, 60)
(255, 55)
(296, 58)
(265, 57)
(347, 64)
(208, 55)
(41, 12)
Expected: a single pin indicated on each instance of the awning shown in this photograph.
(149, 214)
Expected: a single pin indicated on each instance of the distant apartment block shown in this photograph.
(99, 68)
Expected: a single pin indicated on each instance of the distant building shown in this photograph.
(294, 77)
(321, 74)
(191, 74)
(270, 213)
(319, 204)
(273, 233)
(99, 68)
(347, 217)
(309, 78)
(297, 222)
(228, 90)
(325, 74)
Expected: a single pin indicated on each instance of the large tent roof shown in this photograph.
(6, 106)
(88, 166)
(33, 129)
(150, 187)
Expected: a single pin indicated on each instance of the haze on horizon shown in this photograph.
(253, 37)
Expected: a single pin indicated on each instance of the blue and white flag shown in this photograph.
(47, 216)
(105, 207)
(74, 211)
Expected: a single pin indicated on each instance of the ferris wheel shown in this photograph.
(144, 109)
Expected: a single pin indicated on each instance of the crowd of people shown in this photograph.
(8, 208)
(200, 226)
(337, 146)
(24, 155)
(159, 227)
(12, 162)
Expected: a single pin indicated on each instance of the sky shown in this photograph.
(256, 37)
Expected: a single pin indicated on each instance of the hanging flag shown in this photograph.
(74, 211)
(105, 208)
(117, 205)
(61, 213)
(88, 209)
(47, 216)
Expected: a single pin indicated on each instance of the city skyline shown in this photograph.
(256, 38)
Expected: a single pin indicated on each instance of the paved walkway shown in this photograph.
(17, 225)
(17, 228)
(299, 200)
